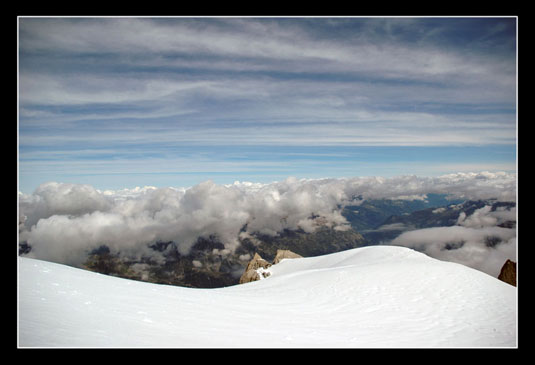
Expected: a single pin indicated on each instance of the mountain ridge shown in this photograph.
(209, 264)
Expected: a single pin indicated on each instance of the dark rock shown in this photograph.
(24, 248)
(508, 272)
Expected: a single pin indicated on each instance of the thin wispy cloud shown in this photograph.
(143, 88)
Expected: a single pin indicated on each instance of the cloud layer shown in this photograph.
(481, 240)
(63, 222)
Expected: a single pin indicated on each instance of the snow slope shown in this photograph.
(378, 296)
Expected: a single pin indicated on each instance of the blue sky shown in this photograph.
(125, 102)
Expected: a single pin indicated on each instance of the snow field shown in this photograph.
(379, 296)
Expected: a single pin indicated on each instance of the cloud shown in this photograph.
(271, 43)
(63, 222)
(277, 70)
(392, 227)
(122, 95)
(477, 241)
(146, 97)
(485, 217)
(61, 199)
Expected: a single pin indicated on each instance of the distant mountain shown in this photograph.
(323, 241)
(444, 216)
(371, 214)
(209, 266)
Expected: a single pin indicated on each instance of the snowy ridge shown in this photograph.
(378, 296)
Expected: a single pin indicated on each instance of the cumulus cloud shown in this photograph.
(473, 186)
(485, 217)
(479, 240)
(61, 199)
(63, 222)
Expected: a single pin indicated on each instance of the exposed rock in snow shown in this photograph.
(257, 262)
(251, 271)
(255, 269)
(508, 272)
(285, 254)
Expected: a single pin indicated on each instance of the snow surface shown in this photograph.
(378, 296)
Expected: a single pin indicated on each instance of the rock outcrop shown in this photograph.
(508, 272)
(285, 254)
(258, 265)
(257, 262)
(251, 271)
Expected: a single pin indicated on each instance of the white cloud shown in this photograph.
(392, 227)
(62, 222)
(232, 45)
(61, 199)
(477, 241)
(112, 83)
(485, 217)
(280, 81)
(284, 40)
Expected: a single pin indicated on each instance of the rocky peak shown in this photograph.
(257, 265)
(508, 272)
(257, 262)
(252, 270)
(285, 254)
